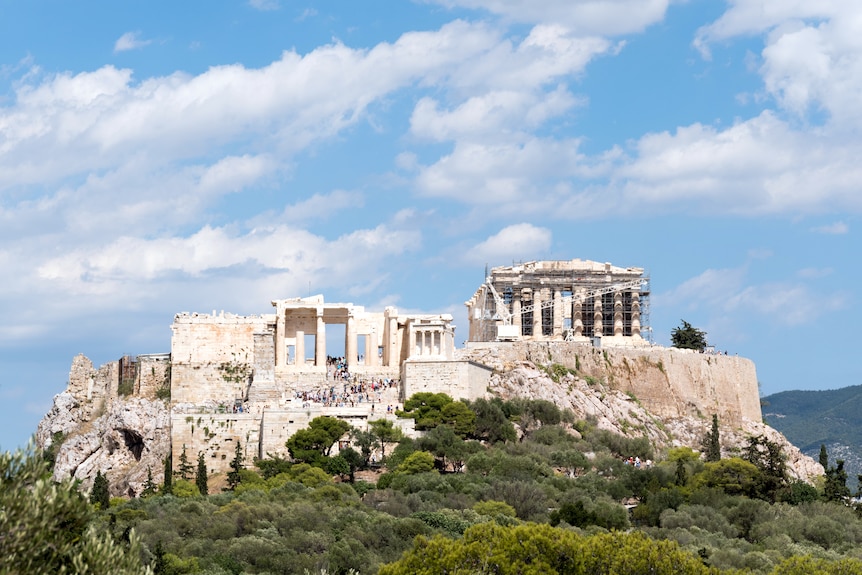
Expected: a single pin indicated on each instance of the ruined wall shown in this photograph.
(154, 375)
(212, 357)
(214, 434)
(669, 382)
(457, 379)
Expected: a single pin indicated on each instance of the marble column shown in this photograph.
(320, 341)
(350, 343)
(537, 313)
(279, 338)
(300, 348)
(516, 311)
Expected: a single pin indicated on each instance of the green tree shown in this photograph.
(100, 494)
(712, 441)
(354, 461)
(367, 443)
(186, 469)
(491, 423)
(733, 475)
(167, 482)
(201, 475)
(417, 462)
(448, 446)
(688, 337)
(770, 461)
(236, 466)
(150, 487)
(835, 488)
(431, 409)
(824, 457)
(384, 431)
(538, 549)
(48, 527)
(313, 444)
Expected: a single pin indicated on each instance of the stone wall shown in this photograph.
(669, 382)
(214, 434)
(457, 379)
(212, 357)
(154, 375)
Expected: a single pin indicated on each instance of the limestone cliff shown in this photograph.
(101, 430)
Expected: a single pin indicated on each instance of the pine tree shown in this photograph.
(168, 485)
(100, 494)
(836, 488)
(233, 477)
(688, 337)
(149, 486)
(712, 442)
(201, 476)
(186, 468)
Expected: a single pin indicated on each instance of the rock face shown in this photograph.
(101, 431)
(624, 413)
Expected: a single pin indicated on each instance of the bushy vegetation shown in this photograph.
(510, 487)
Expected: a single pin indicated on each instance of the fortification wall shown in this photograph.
(212, 357)
(669, 382)
(154, 374)
(457, 379)
(214, 434)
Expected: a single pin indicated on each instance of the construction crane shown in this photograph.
(506, 331)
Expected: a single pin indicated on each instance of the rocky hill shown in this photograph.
(666, 395)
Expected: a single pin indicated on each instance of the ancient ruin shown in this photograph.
(258, 379)
(577, 300)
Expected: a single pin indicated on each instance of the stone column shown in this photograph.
(279, 338)
(350, 342)
(320, 341)
(636, 313)
(371, 346)
(537, 313)
(558, 314)
(516, 311)
(300, 349)
(618, 313)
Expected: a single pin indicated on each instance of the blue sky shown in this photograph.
(159, 157)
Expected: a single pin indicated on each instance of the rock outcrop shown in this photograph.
(624, 413)
(124, 437)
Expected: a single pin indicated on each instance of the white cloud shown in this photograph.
(583, 16)
(130, 41)
(835, 229)
(728, 298)
(515, 242)
(264, 5)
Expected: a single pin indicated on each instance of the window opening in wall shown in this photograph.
(310, 341)
(291, 355)
(527, 322)
(547, 321)
(608, 314)
(588, 316)
(360, 348)
(335, 336)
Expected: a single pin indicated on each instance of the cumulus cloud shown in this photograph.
(728, 293)
(608, 17)
(835, 229)
(130, 41)
(515, 242)
(264, 5)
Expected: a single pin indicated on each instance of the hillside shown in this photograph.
(810, 419)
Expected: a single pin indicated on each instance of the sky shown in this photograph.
(159, 157)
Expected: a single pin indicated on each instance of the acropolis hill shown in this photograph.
(258, 379)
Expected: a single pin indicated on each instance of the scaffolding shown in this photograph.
(560, 300)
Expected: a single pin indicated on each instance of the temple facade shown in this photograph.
(576, 300)
(258, 379)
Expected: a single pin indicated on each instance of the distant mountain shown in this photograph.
(810, 419)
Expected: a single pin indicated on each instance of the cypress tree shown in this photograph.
(712, 441)
(236, 466)
(186, 467)
(100, 494)
(149, 485)
(824, 458)
(201, 476)
(168, 485)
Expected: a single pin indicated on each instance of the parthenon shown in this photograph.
(573, 300)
